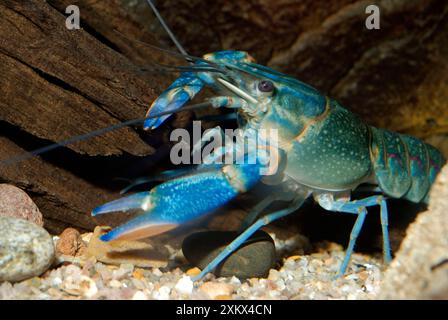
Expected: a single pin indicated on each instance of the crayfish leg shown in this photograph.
(261, 222)
(358, 207)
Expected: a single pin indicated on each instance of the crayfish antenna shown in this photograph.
(166, 28)
(83, 137)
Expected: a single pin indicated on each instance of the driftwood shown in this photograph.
(57, 83)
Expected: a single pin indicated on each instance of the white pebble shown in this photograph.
(115, 284)
(184, 285)
(57, 281)
(157, 272)
(215, 289)
(139, 295)
(235, 281)
(89, 287)
(162, 294)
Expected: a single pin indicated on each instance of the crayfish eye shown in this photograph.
(266, 86)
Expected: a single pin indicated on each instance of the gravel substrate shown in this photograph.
(298, 277)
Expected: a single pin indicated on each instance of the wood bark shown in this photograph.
(58, 83)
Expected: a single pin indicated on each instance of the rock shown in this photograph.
(70, 243)
(252, 259)
(420, 268)
(217, 290)
(142, 253)
(139, 295)
(26, 250)
(184, 285)
(193, 272)
(14, 202)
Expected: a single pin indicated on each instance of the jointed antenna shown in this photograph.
(95, 133)
(167, 29)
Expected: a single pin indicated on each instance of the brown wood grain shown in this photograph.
(57, 83)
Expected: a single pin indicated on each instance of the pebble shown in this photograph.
(88, 287)
(217, 289)
(162, 294)
(95, 280)
(139, 295)
(115, 284)
(26, 250)
(70, 243)
(184, 285)
(193, 272)
(254, 258)
(138, 274)
(14, 202)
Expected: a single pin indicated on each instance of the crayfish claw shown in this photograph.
(139, 228)
(139, 200)
(178, 94)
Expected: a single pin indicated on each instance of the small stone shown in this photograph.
(223, 297)
(235, 281)
(127, 267)
(184, 285)
(139, 295)
(163, 293)
(123, 271)
(115, 284)
(138, 274)
(70, 243)
(294, 258)
(34, 282)
(56, 282)
(216, 289)
(26, 250)
(54, 292)
(14, 202)
(193, 272)
(274, 275)
(333, 246)
(157, 272)
(138, 284)
(330, 261)
(88, 287)
(253, 258)
(363, 275)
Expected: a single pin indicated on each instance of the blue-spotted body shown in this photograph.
(325, 151)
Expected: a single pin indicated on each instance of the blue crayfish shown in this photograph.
(323, 151)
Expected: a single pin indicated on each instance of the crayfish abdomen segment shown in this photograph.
(404, 166)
